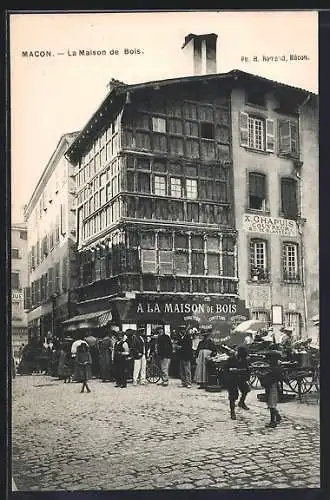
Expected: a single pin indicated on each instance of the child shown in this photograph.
(68, 367)
(236, 376)
(270, 381)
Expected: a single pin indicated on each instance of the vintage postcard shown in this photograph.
(164, 227)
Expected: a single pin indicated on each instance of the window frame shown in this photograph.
(190, 191)
(259, 273)
(16, 272)
(282, 151)
(160, 192)
(155, 122)
(286, 277)
(172, 191)
(265, 199)
(268, 136)
(18, 256)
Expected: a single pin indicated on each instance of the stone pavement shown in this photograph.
(153, 437)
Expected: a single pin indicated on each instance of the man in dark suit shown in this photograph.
(185, 355)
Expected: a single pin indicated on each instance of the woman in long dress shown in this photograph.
(205, 349)
(61, 363)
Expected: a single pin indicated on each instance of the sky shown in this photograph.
(54, 95)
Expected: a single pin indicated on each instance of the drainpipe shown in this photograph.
(300, 225)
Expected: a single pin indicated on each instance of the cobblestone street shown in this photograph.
(155, 437)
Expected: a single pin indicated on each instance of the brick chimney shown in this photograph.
(201, 53)
(114, 83)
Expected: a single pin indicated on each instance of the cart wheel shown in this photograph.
(306, 384)
(153, 373)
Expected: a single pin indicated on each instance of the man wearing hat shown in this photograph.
(138, 351)
(121, 355)
(205, 349)
(286, 340)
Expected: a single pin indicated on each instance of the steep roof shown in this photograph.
(122, 89)
(68, 137)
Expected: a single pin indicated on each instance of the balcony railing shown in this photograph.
(156, 283)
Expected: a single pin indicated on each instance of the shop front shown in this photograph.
(147, 312)
(222, 313)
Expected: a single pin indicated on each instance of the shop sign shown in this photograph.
(269, 225)
(185, 308)
(222, 313)
(16, 296)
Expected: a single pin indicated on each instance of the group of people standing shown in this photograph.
(124, 355)
(120, 356)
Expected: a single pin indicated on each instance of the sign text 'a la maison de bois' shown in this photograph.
(186, 308)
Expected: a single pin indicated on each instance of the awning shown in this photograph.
(94, 319)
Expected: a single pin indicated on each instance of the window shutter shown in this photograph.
(244, 128)
(27, 298)
(289, 197)
(294, 138)
(270, 135)
(284, 136)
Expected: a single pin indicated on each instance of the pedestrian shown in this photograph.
(74, 347)
(205, 349)
(287, 341)
(185, 355)
(151, 344)
(68, 366)
(138, 353)
(61, 362)
(20, 351)
(105, 358)
(84, 361)
(121, 359)
(271, 381)
(236, 376)
(164, 349)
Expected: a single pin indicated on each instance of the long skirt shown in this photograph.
(201, 366)
(105, 365)
(61, 365)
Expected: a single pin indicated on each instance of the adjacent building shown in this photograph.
(51, 223)
(275, 163)
(19, 280)
(197, 200)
